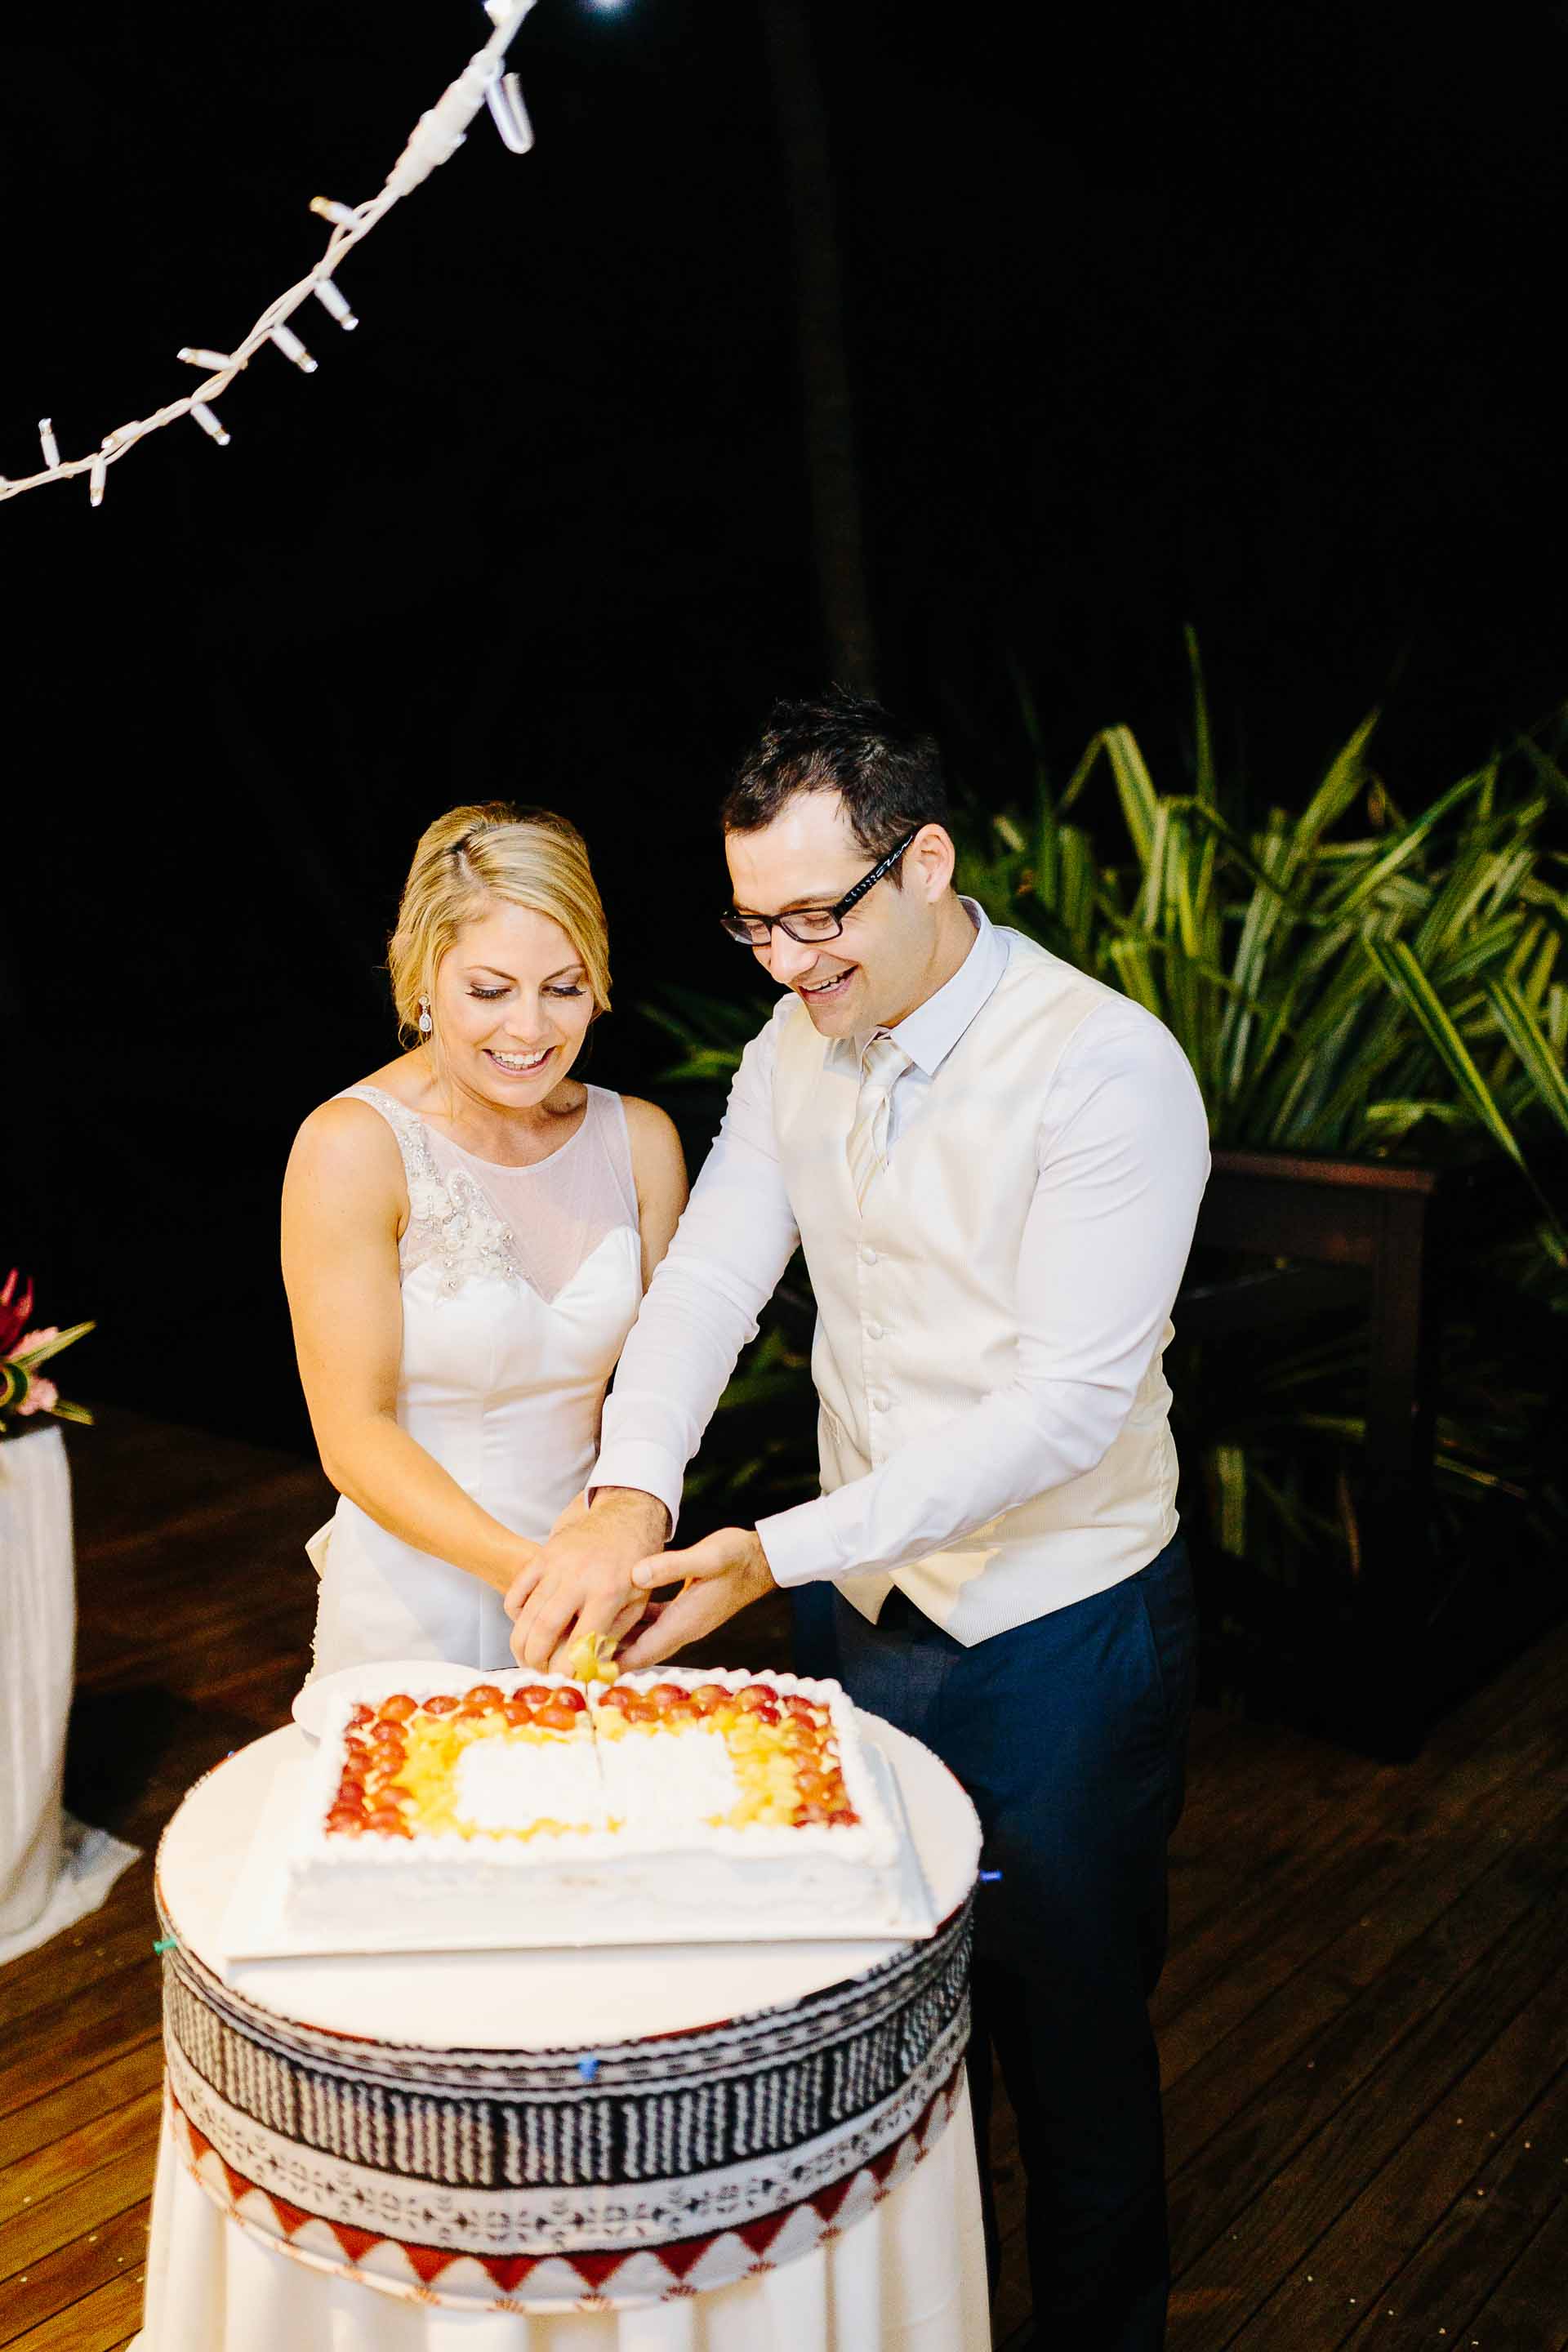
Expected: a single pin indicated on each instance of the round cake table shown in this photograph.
(671, 2148)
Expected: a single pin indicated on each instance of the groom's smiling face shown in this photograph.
(880, 967)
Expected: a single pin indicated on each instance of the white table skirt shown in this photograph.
(908, 2276)
(37, 1639)
(53, 1870)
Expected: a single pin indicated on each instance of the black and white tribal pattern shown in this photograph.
(672, 2137)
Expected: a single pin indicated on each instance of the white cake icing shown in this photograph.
(695, 1781)
(501, 1788)
(636, 1841)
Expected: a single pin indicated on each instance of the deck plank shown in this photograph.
(1350, 1929)
(1319, 2053)
(78, 2102)
(50, 2286)
(103, 2321)
(1530, 2299)
(48, 2169)
(74, 2036)
(83, 2208)
(100, 1946)
(1402, 2201)
(1298, 2203)
(1486, 2234)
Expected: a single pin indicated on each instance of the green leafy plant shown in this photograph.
(1339, 979)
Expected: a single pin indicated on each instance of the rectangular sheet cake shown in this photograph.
(667, 1802)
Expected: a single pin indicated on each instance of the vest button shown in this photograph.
(868, 1256)
(873, 1331)
(879, 1402)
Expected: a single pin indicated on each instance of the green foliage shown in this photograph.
(1343, 981)
(712, 1033)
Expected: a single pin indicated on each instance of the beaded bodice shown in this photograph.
(469, 1219)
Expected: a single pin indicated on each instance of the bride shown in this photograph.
(467, 1237)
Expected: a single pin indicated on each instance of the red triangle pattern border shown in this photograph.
(510, 2273)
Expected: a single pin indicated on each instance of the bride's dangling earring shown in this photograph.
(426, 1023)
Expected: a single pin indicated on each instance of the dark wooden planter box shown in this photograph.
(1376, 1238)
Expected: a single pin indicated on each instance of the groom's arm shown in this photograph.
(731, 1247)
(736, 1237)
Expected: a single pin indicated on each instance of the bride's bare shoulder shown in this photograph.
(348, 1114)
(406, 1079)
(346, 1140)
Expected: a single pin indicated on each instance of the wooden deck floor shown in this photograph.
(1364, 2019)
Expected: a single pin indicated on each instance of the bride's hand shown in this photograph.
(517, 1592)
(523, 1582)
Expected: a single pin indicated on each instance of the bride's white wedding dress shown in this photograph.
(519, 1286)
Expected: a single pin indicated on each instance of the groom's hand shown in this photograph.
(722, 1573)
(580, 1581)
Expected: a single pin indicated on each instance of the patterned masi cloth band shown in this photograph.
(629, 2170)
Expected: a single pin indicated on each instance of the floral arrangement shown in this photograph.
(23, 1390)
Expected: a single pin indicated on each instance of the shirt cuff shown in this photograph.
(635, 1462)
(800, 1543)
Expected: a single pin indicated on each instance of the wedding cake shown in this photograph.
(667, 1802)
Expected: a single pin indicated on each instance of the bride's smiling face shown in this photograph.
(512, 1006)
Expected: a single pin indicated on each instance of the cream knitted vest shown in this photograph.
(916, 1300)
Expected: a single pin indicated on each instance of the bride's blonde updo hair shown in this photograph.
(466, 860)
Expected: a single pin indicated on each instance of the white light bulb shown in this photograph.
(341, 216)
(194, 355)
(288, 343)
(208, 420)
(504, 96)
(330, 298)
(47, 442)
(96, 479)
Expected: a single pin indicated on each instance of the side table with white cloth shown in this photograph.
(52, 1870)
(685, 2148)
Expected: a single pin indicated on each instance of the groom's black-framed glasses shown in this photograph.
(807, 924)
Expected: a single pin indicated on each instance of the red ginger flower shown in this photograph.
(14, 1312)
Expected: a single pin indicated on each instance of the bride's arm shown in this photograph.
(344, 1203)
(658, 1172)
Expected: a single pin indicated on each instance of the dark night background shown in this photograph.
(1227, 315)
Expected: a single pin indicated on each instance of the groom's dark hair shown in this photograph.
(888, 776)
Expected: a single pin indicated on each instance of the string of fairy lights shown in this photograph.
(435, 138)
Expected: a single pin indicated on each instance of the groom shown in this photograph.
(994, 1164)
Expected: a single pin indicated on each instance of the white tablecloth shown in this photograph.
(908, 2274)
(52, 1870)
(37, 1638)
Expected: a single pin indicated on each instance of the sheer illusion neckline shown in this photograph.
(512, 1167)
(462, 1216)
(496, 1167)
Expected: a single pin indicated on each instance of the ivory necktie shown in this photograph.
(881, 1066)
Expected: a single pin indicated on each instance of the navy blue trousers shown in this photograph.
(1069, 1734)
